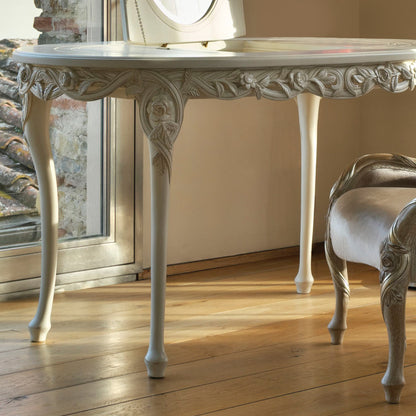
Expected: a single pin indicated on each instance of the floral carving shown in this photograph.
(249, 81)
(280, 83)
(391, 77)
(160, 109)
(272, 83)
(396, 257)
(299, 79)
(161, 113)
(394, 271)
(67, 80)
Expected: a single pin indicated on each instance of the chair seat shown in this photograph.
(361, 218)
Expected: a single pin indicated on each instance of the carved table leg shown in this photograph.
(161, 114)
(156, 359)
(36, 128)
(308, 108)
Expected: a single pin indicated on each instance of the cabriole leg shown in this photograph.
(393, 380)
(338, 269)
(161, 114)
(36, 128)
(393, 304)
(308, 108)
(156, 359)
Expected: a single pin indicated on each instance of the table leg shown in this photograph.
(161, 107)
(36, 130)
(308, 108)
(156, 359)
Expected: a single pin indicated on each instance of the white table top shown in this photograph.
(242, 53)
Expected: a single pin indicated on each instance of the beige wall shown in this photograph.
(236, 180)
(388, 122)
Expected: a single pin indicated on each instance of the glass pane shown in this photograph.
(76, 128)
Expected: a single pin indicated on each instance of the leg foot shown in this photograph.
(38, 331)
(392, 393)
(304, 283)
(156, 364)
(337, 335)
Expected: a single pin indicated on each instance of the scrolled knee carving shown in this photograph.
(394, 276)
(161, 112)
(395, 255)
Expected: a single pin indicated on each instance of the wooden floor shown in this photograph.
(240, 342)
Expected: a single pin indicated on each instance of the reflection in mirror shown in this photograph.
(184, 12)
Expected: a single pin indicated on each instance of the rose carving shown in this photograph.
(66, 80)
(160, 109)
(248, 80)
(299, 80)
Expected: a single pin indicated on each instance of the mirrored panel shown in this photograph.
(184, 12)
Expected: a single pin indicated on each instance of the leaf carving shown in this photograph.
(220, 88)
(359, 79)
(394, 82)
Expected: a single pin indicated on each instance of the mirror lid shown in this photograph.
(144, 22)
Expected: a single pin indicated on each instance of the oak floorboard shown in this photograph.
(239, 340)
(211, 318)
(355, 397)
(281, 353)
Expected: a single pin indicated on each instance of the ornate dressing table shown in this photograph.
(162, 79)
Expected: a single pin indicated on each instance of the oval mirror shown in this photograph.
(184, 12)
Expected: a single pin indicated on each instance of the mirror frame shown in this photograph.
(223, 20)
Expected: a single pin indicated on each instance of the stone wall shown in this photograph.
(19, 219)
(65, 21)
(61, 21)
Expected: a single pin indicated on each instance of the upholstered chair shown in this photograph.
(372, 220)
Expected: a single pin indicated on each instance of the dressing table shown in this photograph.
(169, 59)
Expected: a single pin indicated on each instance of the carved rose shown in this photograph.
(388, 260)
(299, 79)
(160, 109)
(24, 74)
(384, 74)
(388, 76)
(248, 80)
(66, 80)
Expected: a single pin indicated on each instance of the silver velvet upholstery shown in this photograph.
(361, 219)
(372, 220)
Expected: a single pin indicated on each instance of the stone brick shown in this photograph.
(43, 24)
(65, 21)
(64, 24)
(64, 103)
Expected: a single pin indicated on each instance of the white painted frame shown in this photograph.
(95, 133)
(145, 23)
(100, 260)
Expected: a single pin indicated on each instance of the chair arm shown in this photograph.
(376, 170)
(398, 261)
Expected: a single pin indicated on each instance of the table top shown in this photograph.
(242, 53)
